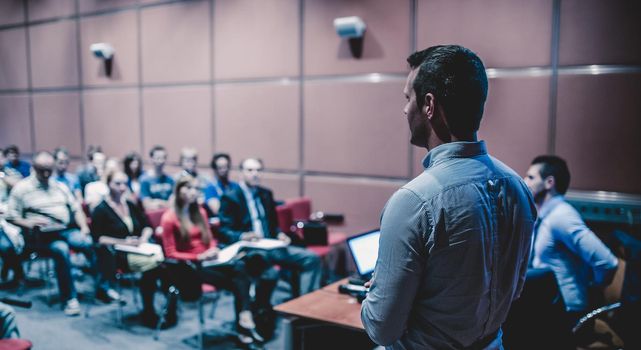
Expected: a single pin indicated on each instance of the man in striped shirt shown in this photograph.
(47, 209)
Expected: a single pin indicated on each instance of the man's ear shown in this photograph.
(429, 105)
(549, 182)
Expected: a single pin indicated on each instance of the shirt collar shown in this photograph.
(459, 149)
(36, 183)
(549, 205)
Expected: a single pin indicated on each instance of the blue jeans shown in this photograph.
(301, 260)
(58, 245)
(9, 256)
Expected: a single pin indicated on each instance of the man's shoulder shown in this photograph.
(264, 190)
(563, 214)
(233, 193)
(23, 186)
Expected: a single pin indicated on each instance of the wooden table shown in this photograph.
(325, 306)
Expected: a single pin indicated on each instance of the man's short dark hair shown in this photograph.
(557, 167)
(217, 156)
(456, 77)
(11, 149)
(157, 148)
(91, 150)
(61, 150)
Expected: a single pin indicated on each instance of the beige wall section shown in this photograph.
(13, 55)
(603, 146)
(15, 124)
(57, 121)
(266, 115)
(272, 79)
(505, 33)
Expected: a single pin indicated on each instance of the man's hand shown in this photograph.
(283, 237)
(85, 231)
(133, 240)
(210, 253)
(249, 236)
(36, 222)
(368, 283)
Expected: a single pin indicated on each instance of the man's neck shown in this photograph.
(544, 199)
(436, 141)
(42, 182)
(158, 172)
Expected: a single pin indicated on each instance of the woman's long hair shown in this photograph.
(193, 213)
(129, 158)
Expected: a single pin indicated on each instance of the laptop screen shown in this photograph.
(364, 249)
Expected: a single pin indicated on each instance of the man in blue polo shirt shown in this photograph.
(61, 158)
(220, 164)
(12, 153)
(155, 185)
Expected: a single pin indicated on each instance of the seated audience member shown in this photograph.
(117, 220)
(61, 173)
(11, 241)
(98, 190)
(8, 175)
(189, 165)
(93, 169)
(12, 154)
(155, 184)
(49, 212)
(133, 168)
(562, 241)
(8, 325)
(248, 212)
(187, 237)
(220, 164)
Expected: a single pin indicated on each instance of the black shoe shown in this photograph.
(169, 320)
(107, 296)
(149, 319)
(11, 284)
(249, 332)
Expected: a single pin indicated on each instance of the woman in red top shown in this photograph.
(187, 238)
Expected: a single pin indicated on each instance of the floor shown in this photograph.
(48, 328)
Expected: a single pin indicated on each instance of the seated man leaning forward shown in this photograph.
(248, 212)
(47, 210)
(455, 240)
(562, 241)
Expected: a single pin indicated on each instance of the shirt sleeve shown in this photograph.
(399, 268)
(14, 206)
(572, 231)
(144, 189)
(210, 191)
(169, 227)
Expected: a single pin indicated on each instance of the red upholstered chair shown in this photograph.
(15, 344)
(301, 208)
(154, 216)
(285, 217)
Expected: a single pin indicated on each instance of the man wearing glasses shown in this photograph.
(48, 211)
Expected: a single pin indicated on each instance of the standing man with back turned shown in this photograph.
(455, 241)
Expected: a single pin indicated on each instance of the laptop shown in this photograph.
(364, 250)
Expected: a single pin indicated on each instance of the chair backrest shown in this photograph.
(301, 208)
(154, 216)
(285, 217)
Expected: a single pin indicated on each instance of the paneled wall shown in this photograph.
(270, 78)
